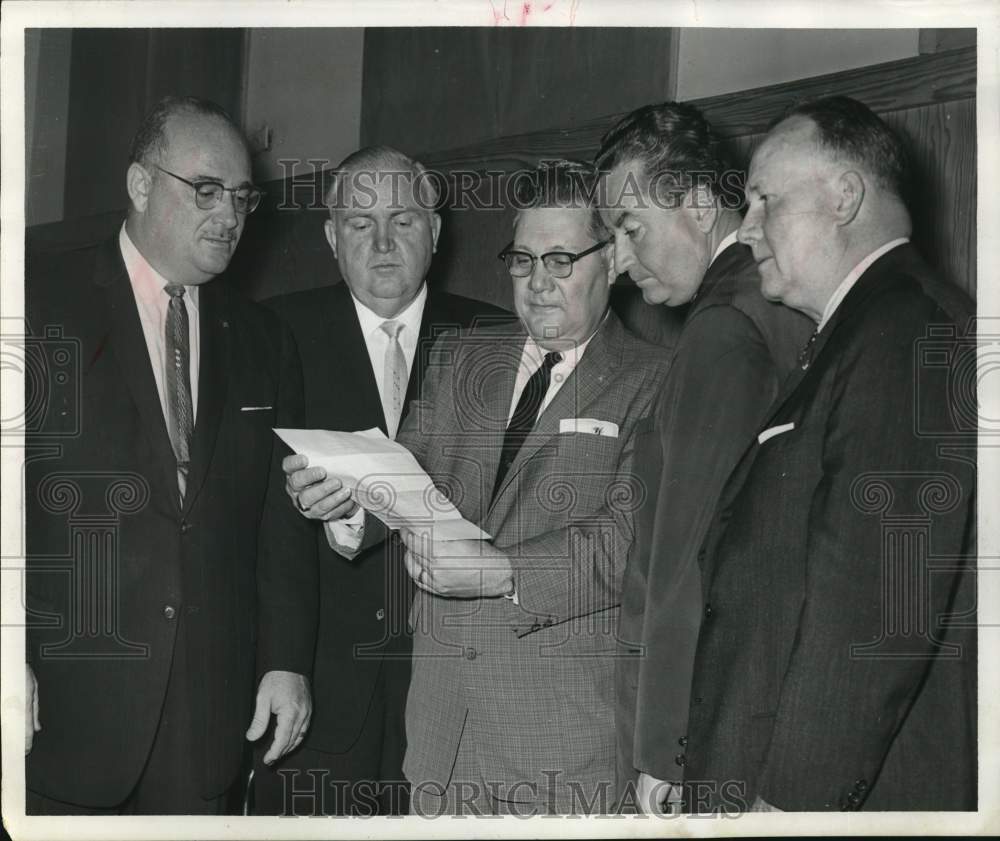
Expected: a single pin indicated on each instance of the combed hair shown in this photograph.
(561, 183)
(672, 141)
(379, 159)
(150, 138)
(852, 131)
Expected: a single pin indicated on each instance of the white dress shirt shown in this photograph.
(152, 302)
(532, 356)
(345, 535)
(730, 239)
(852, 277)
(377, 341)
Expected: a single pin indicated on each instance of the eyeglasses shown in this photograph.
(209, 194)
(557, 263)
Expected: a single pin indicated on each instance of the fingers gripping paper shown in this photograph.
(387, 481)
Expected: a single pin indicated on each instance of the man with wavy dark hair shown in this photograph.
(670, 201)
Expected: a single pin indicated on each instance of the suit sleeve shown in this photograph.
(840, 707)
(287, 573)
(721, 382)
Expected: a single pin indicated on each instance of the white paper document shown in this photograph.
(386, 479)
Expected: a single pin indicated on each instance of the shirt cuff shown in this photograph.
(513, 596)
(345, 535)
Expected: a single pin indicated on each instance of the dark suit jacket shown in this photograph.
(364, 602)
(836, 663)
(115, 562)
(733, 352)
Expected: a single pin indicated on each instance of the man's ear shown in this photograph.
(850, 195)
(138, 183)
(703, 207)
(435, 230)
(330, 229)
(608, 253)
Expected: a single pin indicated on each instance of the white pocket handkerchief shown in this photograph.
(256, 408)
(774, 430)
(589, 426)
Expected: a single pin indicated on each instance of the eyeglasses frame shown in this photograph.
(234, 190)
(573, 258)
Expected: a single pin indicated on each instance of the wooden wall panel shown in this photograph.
(116, 75)
(433, 88)
(931, 99)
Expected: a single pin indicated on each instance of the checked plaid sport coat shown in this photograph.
(530, 683)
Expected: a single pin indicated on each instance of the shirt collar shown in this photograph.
(572, 352)
(729, 239)
(147, 282)
(852, 277)
(410, 317)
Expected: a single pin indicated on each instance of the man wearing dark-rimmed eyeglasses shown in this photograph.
(530, 427)
(141, 685)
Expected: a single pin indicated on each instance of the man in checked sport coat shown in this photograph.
(510, 706)
(836, 666)
(162, 590)
(351, 760)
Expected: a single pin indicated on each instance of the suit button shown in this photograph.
(470, 653)
(699, 700)
(185, 527)
(169, 612)
(861, 785)
(681, 759)
(683, 741)
(380, 614)
(708, 611)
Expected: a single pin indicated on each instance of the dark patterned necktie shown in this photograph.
(806, 354)
(179, 382)
(525, 415)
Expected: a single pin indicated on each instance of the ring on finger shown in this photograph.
(298, 504)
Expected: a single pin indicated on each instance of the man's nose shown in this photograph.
(624, 253)
(539, 280)
(749, 231)
(226, 210)
(384, 241)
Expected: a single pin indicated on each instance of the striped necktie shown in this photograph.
(525, 415)
(181, 422)
(394, 377)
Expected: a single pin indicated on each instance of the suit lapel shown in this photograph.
(587, 382)
(493, 401)
(348, 347)
(128, 344)
(214, 371)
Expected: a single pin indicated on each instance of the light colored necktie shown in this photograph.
(394, 377)
(181, 421)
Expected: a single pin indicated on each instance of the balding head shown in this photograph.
(383, 229)
(819, 201)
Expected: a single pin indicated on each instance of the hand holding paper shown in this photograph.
(314, 494)
(462, 569)
(381, 475)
